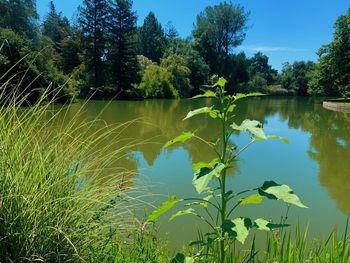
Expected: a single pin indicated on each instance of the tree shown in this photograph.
(56, 26)
(199, 70)
(237, 72)
(4, 9)
(22, 17)
(217, 31)
(122, 55)
(180, 74)
(296, 76)
(259, 64)
(69, 50)
(171, 32)
(26, 72)
(331, 75)
(152, 39)
(92, 20)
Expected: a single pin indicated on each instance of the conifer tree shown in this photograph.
(122, 53)
(152, 38)
(93, 18)
(55, 25)
(22, 17)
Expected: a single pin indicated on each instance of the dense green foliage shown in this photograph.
(296, 77)
(217, 31)
(152, 40)
(97, 55)
(176, 65)
(157, 83)
(331, 75)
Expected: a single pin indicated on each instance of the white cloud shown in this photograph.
(262, 48)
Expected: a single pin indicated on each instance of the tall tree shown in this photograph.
(259, 64)
(55, 25)
(122, 29)
(152, 38)
(22, 17)
(92, 20)
(331, 75)
(69, 51)
(171, 32)
(217, 31)
(237, 71)
(4, 9)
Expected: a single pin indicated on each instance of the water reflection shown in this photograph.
(156, 121)
(329, 139)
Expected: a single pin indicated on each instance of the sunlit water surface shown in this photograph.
(316, 162)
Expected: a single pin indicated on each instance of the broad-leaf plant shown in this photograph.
(225, 227)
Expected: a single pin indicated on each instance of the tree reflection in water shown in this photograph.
(156, 121)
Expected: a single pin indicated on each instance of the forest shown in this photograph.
(103, 54)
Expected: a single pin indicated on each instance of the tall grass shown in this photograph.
(285, 246)
(61, 196)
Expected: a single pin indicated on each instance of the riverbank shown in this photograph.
(342, 105)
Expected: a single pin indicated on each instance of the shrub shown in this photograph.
(180, 74)
(156, 83)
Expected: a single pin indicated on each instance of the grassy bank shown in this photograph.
(293, 246)
(61, 198)
(341, 104)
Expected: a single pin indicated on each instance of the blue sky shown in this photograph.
(285, 30)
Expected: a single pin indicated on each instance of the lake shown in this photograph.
(315, 163)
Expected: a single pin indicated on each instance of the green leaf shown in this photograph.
(231, 108)
(163, 208)
(200, 165)
(272, 190)
(285, 140)
(207, 94)
(215, 114)
(182, 213)
(253, 199)
(265, 225)
(181, 258)
(197, 112)
(221, 83)
(203, 176)
(237, 228)
(242, 96)
(182, 138)
(251, 126)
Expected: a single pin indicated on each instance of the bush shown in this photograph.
(156, 83)
(180, 74)
(257, 84)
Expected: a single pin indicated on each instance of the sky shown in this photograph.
(284, 30)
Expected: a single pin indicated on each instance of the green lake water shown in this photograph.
(315, 163)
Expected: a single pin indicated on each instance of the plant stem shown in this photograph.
(223, 216)
(223, 179)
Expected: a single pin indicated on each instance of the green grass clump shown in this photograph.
(61, 196)
(283, 246)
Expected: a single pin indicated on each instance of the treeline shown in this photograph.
(104, 54)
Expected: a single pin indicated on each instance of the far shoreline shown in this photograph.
(341, 105)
